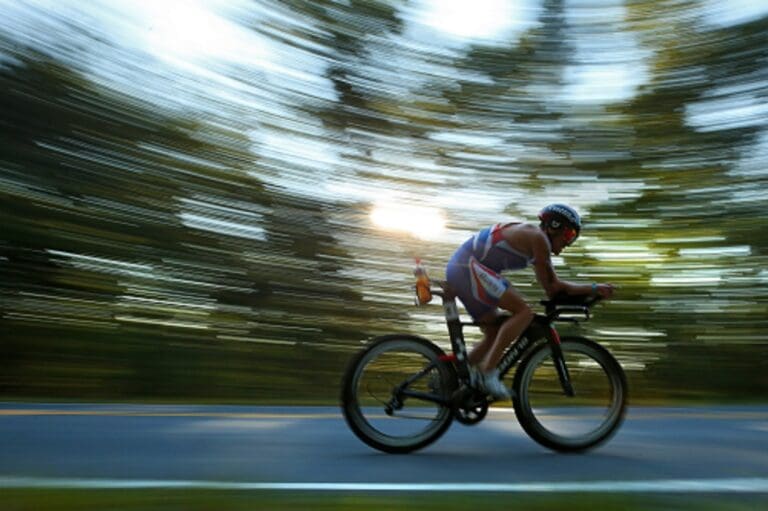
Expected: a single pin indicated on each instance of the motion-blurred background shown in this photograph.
(220, 200)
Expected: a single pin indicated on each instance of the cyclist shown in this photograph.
(474, 274)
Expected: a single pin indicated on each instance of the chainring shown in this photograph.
(469, 406)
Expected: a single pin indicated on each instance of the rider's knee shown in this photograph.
(525, 312)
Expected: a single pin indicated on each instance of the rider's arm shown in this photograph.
(545, 273)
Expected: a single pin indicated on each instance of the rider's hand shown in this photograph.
(605, 290)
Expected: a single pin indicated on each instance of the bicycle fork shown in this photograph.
(559, 360)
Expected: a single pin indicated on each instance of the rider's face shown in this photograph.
(569, 235)
(562, 238)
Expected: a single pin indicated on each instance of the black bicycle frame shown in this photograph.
(540, 328)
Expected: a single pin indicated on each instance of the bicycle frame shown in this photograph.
(541, 328)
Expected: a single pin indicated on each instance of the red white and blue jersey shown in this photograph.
(491, 250)
(474, 270)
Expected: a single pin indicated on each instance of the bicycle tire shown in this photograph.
(601, 370)
(357, 418)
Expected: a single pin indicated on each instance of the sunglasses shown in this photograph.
(569, 235)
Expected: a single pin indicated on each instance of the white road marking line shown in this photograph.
(743, 485)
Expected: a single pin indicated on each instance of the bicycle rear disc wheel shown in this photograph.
(571, 423)
(378, 390)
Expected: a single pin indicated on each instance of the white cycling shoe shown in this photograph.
(490, 383)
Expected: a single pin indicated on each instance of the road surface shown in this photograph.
(657, 449)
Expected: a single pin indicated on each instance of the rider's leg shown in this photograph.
(490, 331)
(522, 315)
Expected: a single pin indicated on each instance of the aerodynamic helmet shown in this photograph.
(559, 215)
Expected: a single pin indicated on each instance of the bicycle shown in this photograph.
(569, 394)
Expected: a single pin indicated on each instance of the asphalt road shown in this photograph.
(698, 446)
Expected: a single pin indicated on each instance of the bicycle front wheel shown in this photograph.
(395, 394)
(571, 423)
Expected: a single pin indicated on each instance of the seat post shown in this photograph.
(455, 328)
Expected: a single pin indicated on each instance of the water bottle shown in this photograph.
(423, 293)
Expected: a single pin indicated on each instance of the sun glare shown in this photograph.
(420, 221)
(193, 29)
(483, 19)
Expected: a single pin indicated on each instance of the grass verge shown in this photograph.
(208, 500)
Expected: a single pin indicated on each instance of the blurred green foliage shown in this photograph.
(149, 251)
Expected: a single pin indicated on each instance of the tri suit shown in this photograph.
(474, 271)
